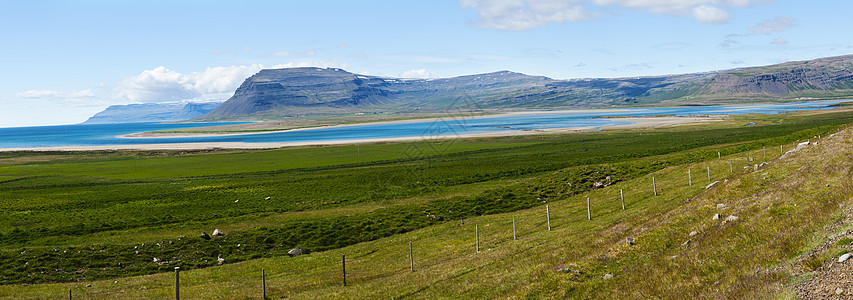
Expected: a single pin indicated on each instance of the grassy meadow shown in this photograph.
(101, 218)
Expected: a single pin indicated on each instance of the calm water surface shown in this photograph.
(108, 134)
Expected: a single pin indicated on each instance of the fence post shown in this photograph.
(588, 210)
(264, 284)
(654, 186)
(69, 294)
(411, 258)
(548, 216)
(477, 233)
(622, 196)
(344, 267)
(780, 149)
(177, 283)
(689, 178)
(709, 173)
(764, 149)
(513, 227)
(718, 154)
(731, 169)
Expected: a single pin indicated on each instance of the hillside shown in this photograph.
(141, 213)
(152, 112)
(299, 92)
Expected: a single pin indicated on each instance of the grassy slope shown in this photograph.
(779, 207)
(651, 208)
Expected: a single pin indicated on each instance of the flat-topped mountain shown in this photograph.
(302, 91)
(152, 112)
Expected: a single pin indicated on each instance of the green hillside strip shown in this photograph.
(42, 208)
(779, 207)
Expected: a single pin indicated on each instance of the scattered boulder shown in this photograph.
(205, 236)
(717, 217)
(844, 257)
(731, 218)
(217, 232)
(694, 233)
(722, 206)
(297, 252)
(629, 241)
(712, 184)
(267, 198)
(156, 260)
(219, 259)
(608, 276)
(686, 243)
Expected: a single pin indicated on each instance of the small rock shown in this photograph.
(297, 252)
(717, 217)
(722, 206)
(205, 236)
(217, 232)
(839, 291)
(115, 281)
(267, 198)
(220, 259)
(88, 285)
(844, 257)
(238, 200)
(731, 218)
(687, 242)
(156, 260)
(629, 241)
(608, 276)
(712, 184)
(694, 233)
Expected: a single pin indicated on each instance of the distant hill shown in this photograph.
(300, 91)
(152, 112)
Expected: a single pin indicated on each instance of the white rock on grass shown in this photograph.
(217, 232)
(717, 217)
(694, 233)
(608, 276)
(731, 218)
(844, 257)
(722, 206)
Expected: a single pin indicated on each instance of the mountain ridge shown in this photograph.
(293, 92)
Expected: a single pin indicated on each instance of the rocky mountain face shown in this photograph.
(152, 112)
(826, 74)
(301, 91)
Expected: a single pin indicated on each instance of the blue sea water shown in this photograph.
(108, 134)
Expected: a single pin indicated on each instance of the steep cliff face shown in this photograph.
(152, 112)
(304, 87)
(281, 92)
(781, 83)
(825, 74)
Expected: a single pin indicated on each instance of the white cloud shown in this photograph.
(525, 14)
(419, 73)
(779, 41)
(728, 43)
(56, 95)
(528, 14)
(164, 85)
(710, 14)
(777, 24)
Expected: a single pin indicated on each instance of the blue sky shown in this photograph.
(63, 61)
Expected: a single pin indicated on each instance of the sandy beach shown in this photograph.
(640, 123)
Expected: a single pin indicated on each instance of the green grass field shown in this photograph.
(70, 217)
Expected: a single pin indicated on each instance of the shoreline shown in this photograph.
(639, 123)
(152, 135)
